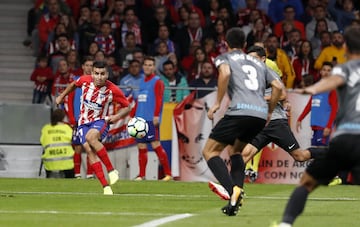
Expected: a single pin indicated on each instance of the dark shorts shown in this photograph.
(244, 128)
(279, 132)
(152, 135)
(344, 154)
(75, 136)
(100, 125)
(318, 138)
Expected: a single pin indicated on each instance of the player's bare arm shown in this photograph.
(223, 81)
(120, 114)
(325, 84)
(276, 93)
(71, 87)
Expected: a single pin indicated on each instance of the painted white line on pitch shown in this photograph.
(165, 220)
(79, 213)
(10, 193)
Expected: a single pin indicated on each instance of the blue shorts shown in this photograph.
(99, 125)
(152, 135)
(75, 136)
(318, 138)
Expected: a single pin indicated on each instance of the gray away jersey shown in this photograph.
(248, 80)
(348, 116)
(279, 111)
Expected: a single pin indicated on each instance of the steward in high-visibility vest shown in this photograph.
(56, 142)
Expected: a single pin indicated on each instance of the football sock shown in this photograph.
(77, 163)
(318, 152)
(220, 171)
(104, 157)
(256, 160)
(89, 169)
(99, 173)
(295, 205)
(160, 152)
(143, 158)
(237, 171)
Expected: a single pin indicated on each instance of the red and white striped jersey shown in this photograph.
(95, 101)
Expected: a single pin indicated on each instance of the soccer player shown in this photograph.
(97, 95)
(344, 146)
(244, 78)
(277, 131)
(149, 106)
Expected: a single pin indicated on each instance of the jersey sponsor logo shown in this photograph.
(142, 98)
(92, 105)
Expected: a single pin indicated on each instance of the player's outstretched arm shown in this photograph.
(71, 87)
(325, 84)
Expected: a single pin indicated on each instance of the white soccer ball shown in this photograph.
(137, 127)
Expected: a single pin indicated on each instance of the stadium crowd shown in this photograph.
(298, 35)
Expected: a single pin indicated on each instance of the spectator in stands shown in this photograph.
(194, 71)
(320, 13)
(243, 14)
(139, 55)
(173, 79)
(54, 137)
(325, 41)
(227, 16)
(186, 35)
(85, 15)
(116, 69)
(88, 31)
(291, 49)
(321, 26)
(105, 39)
(259, 33)
(276, 54)
(117, 16)
(131, 24)
(178, 67)
(218, 31)
(92, 50)
(183, 13)
(277, 6)
(52, 45)
(189, 4)
(207, 79)
(46, 24)
(289, 16)
(344, 12)
(309, 11)
(62, 78)
(162, 55)
(64, 48)
(160, 16)
(253, 16)
(303, 64)
(41, 76)
(130, 82)
(163, 35)
(210, 49)
(74, 62)
(334, 53)
(211, 17)
(126, 52)
(105, 7)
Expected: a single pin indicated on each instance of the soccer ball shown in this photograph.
(137, 127)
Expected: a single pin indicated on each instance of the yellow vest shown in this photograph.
(58, 152)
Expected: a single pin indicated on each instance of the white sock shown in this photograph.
(282, 224)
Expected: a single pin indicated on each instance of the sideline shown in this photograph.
(165, 220)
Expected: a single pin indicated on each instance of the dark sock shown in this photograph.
(237, 171)
(220, 171)
(318, 152)
(295, 205)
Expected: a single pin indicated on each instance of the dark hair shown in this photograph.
(134, 61)
(351, 37)
(327, 63)
(99, 64)
(235, 37)
(150, 58)
(87, 58)
(259, 50)
(168, 62)
(57, 115)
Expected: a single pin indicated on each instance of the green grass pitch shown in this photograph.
(73, 202)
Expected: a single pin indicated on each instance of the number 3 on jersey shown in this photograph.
(251, 83)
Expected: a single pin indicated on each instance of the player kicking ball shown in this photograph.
(97, 95)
